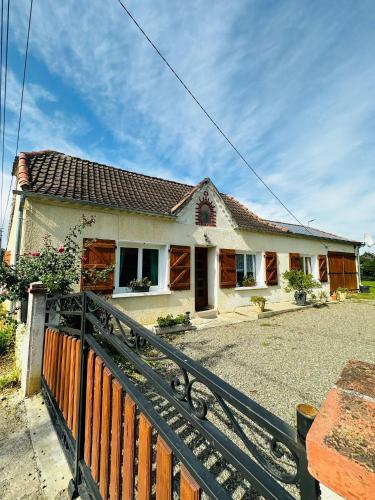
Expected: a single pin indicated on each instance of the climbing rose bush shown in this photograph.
(59, 268)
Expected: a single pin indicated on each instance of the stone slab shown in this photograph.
(54, 468)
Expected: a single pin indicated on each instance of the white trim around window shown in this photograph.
(136, 252)
(250, 264)
(309, 265)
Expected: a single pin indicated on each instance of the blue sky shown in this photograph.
(291, 82)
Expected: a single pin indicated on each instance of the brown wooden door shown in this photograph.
(201, 286)
(342, 270)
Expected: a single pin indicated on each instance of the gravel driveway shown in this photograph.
(287, 359)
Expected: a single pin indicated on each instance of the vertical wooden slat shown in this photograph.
(62, 374)
(129, 450)
(105, 434)
(46, 345)
(88, 410)
(72, 371)
(45, 353)
(48, 355)
(54, 362)
(76, 388)
(189, 489)
(164, 464)
(97, 409)
(67, 376)
(144, 458)
(114, 484)
(58, 366)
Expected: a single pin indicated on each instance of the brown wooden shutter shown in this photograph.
(179, 267)
(228, 278)
(294, 261)
(271, 268)
(99, 254)
(323, 270)
(7, 257)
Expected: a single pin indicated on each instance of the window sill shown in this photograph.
(256, 287)
(124, 295)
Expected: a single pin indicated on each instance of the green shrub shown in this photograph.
(10, 379)
(7, 335)
(170, 320)
(298, 281)
(258, 299)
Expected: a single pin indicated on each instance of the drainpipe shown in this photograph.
(19, 225)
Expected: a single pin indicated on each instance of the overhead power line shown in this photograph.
(4, 110)
(21, 102)
(208, 115)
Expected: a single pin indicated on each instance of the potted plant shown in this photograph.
(173, 324)
(141, 285)
(249, 281)
(341, 293)
(301, 283)
(259, 302)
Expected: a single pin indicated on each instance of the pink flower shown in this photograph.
(84, 259)
(61, 249)
(35, 254)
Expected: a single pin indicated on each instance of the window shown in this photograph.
(137, 263)
(245, 269)
(306, 265)
(205, 215)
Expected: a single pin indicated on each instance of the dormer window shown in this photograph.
(205, 214)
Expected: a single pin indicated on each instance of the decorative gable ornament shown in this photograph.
(205, 212)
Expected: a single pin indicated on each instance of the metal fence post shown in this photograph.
(310, 489)
(79, 452)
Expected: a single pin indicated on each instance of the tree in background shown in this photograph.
(367, 262)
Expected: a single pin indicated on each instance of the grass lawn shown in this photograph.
(367, 296)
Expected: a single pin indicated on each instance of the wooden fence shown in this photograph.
(119, 440)
(180, 432)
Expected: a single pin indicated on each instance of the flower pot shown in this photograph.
(259, 306)
(334, 296)
(300, 298)
(140, 289)
(341, 296)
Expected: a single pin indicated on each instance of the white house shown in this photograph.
(202, 249)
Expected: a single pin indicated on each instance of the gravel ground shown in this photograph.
(288, 359)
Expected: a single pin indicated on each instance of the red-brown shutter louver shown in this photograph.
(179, 267)
(294, 261)
(228, 278)
(323, 269)
(100, 255)
(271, 268)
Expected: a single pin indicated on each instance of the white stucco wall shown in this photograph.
(55, 218)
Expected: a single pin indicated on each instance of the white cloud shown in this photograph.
(291, 84)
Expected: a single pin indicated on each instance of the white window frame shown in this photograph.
(313, 260)
(257, 259)
(162, 266)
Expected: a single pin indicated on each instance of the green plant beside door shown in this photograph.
(302, 284)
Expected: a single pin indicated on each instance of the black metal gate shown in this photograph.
(138, 417)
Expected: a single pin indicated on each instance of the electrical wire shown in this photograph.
(220, 130)
(21, 103)
(4, 108)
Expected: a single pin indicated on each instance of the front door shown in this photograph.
(201, 288)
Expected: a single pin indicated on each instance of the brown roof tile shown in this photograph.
(55, 174)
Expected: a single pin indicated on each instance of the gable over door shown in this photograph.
(342, 270)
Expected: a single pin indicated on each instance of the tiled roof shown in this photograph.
(55, 174)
